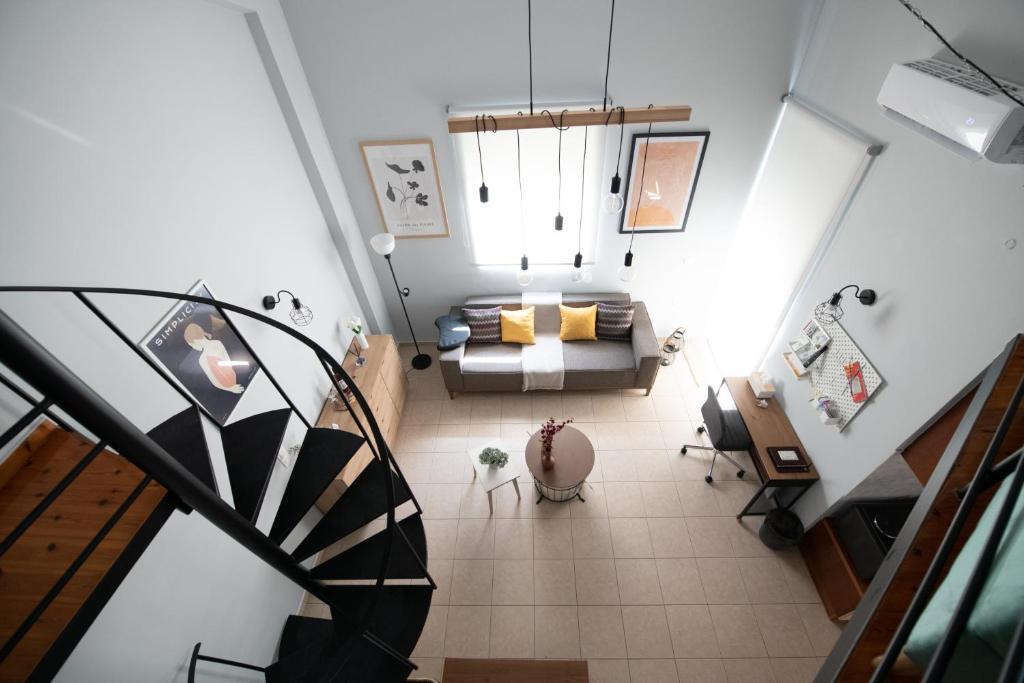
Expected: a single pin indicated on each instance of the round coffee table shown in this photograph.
(574, 459)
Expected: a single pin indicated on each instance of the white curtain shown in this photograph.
(810, 168)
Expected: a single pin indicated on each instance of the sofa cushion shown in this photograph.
(484, 324)
(517, 326)
(598, 355)
(578, 323)
(490, 358)
(614, 322)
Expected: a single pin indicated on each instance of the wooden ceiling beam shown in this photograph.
(467, 124)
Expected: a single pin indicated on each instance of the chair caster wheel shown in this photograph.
(700, 430)
(739, 475)
(707, 478)
(683, 450)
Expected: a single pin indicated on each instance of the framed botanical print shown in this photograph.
(407, 187)
(197, 345)
(669, 179)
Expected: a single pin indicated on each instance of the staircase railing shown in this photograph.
(985, 450)
(60, 387)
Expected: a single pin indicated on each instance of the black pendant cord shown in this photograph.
(622, 130)
(561, 127)
(519, 172)
(640, 191)
(927, 24)
(622, 127)
(608, 61)
(583, 187)
(479, 152)
(529, 43)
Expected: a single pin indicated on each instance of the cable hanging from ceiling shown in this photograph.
(959, 55)
(463, 124)
(608, 59)
(612, 202)
(484, 193)
(560, 126)
(524, 277)
(627, 273)
(577, 274)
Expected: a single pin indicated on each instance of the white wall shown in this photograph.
(143, 147)
(387, 70)
(926, 233)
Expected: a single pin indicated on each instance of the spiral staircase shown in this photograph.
(377, 588)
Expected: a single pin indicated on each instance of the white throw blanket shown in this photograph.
(543, 365)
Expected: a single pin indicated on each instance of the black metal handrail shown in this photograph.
(75, 565)
(52, 495)
(180, 481)
(942, 655)
(27, 397)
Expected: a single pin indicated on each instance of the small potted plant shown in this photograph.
(494, 457)
(547, 439)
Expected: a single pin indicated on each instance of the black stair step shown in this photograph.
(250, 448)
(362, 561)
(182, 437)
(323, 454)
(370, 663)
(398, 618)
(311, 650)
(362, 502)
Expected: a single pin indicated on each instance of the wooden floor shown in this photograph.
(37, 559)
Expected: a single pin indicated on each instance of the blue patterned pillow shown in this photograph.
(614, 321)
(484, 324)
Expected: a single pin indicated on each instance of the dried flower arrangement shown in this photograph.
(548, 431)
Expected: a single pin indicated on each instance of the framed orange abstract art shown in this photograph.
(669, 179)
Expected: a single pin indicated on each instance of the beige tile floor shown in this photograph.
(651, 579)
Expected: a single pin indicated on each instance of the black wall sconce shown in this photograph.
(300, 314)
(832, 310)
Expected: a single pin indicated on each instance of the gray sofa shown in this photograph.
(597, 364)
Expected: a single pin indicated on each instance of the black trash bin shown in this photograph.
(781, 529)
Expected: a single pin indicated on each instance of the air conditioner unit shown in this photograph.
(956, 108)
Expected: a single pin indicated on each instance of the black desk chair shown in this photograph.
(726, 430)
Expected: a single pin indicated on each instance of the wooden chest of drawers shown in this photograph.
(384, 384)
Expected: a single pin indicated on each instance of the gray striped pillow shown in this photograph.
(484, 324)
(614, 321)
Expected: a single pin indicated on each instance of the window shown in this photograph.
(494, 227)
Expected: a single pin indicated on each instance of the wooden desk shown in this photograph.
(769, 427)
(383, 382)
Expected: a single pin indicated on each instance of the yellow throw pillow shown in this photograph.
(578, 324)
(517, 326)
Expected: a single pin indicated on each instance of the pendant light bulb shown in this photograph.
(612, 203)
(484, 194)
(524, 277)
(627, 273)
(558, 222)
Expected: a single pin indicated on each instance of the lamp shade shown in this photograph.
(383, 243)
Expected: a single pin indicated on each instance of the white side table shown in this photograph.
(491, 478)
